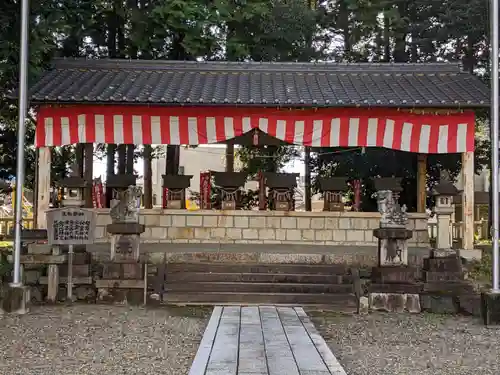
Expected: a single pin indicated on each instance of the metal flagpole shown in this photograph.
(21, 135)
(495, 102)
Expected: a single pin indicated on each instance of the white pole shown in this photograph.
(495, 101)
(70, 274)
(21, 135)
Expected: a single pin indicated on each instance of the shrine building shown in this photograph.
(419, 108)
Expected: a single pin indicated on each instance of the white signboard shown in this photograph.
(71, 226)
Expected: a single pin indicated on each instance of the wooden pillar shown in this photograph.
(307, 179)
(43, 188)
(148, 177)
(468, 200)
(79, 149)
(130, 159)
(230, 158)
(421, 182)
(122, 159)
(110, 169)
(88, 172)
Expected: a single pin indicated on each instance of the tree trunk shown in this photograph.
(130, 159)
(110, 170)
(122, 158)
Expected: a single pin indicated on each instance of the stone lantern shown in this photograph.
(333, 189)
(73, 188)
(444, 192)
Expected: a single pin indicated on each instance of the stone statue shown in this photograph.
(126, 210)
(393, 215)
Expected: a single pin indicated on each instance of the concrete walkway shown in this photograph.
(263, 340)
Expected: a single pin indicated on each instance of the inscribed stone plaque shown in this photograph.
(71, 226)
(125, 247)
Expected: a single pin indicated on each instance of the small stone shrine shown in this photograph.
(333, 189)
(229, 184)
(174, 191)
(281, 190)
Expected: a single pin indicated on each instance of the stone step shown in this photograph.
(337, 302)
(176, 277)
(288, 268)
(253, 287)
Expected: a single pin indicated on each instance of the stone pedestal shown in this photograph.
(125, 241)
(15, 299)
(490, 308)
(392, 246)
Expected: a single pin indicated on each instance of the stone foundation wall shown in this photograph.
(263, 227)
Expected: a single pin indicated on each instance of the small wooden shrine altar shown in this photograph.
(420, 108)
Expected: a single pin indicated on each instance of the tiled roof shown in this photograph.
(260, 84)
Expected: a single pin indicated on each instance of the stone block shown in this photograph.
(159, 232)
(449, 264)
(388, 302)
(111, 271)
(355, 236)
(202, 233)
(338, 235)
(217, 233)
(438, 304)
(421, 225)
(165, 220)
(444, 253)
(250, 234)
(152, 220)
(395, 274)
(289, 223)
(413, 303)
(308, 234)
(242, 222)
(373, 223)
(395, 288)
(281, 234)
(304, 223)
(15, 300)
(332, 223)
(194, 221)
(490, 307)
(132, 271)
(432, 276)
(293, 235)
(256, 222)
(323, 235)
(345, 223)
(318, 223)
(224, 221)
(34, 248)
(179, 221)
(267, 234)
(470, 304)
(81, 270)
(175, 233)
(210, 221)
(369, 237)
(234, 233)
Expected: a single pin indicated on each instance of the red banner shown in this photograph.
(97, 194)
(205, 190)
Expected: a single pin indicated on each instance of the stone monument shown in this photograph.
(392, 233)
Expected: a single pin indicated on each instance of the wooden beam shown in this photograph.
(148, 177)
(468, 200)
(88, 172)
(421, 182)
(43, 189)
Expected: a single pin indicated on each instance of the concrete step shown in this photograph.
(337, 302)
(286, 268)
(253, 287)
(176, 277)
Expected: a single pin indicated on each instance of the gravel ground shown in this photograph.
(390, 344)
(110, 340)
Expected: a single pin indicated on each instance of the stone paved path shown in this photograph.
(264, 340)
